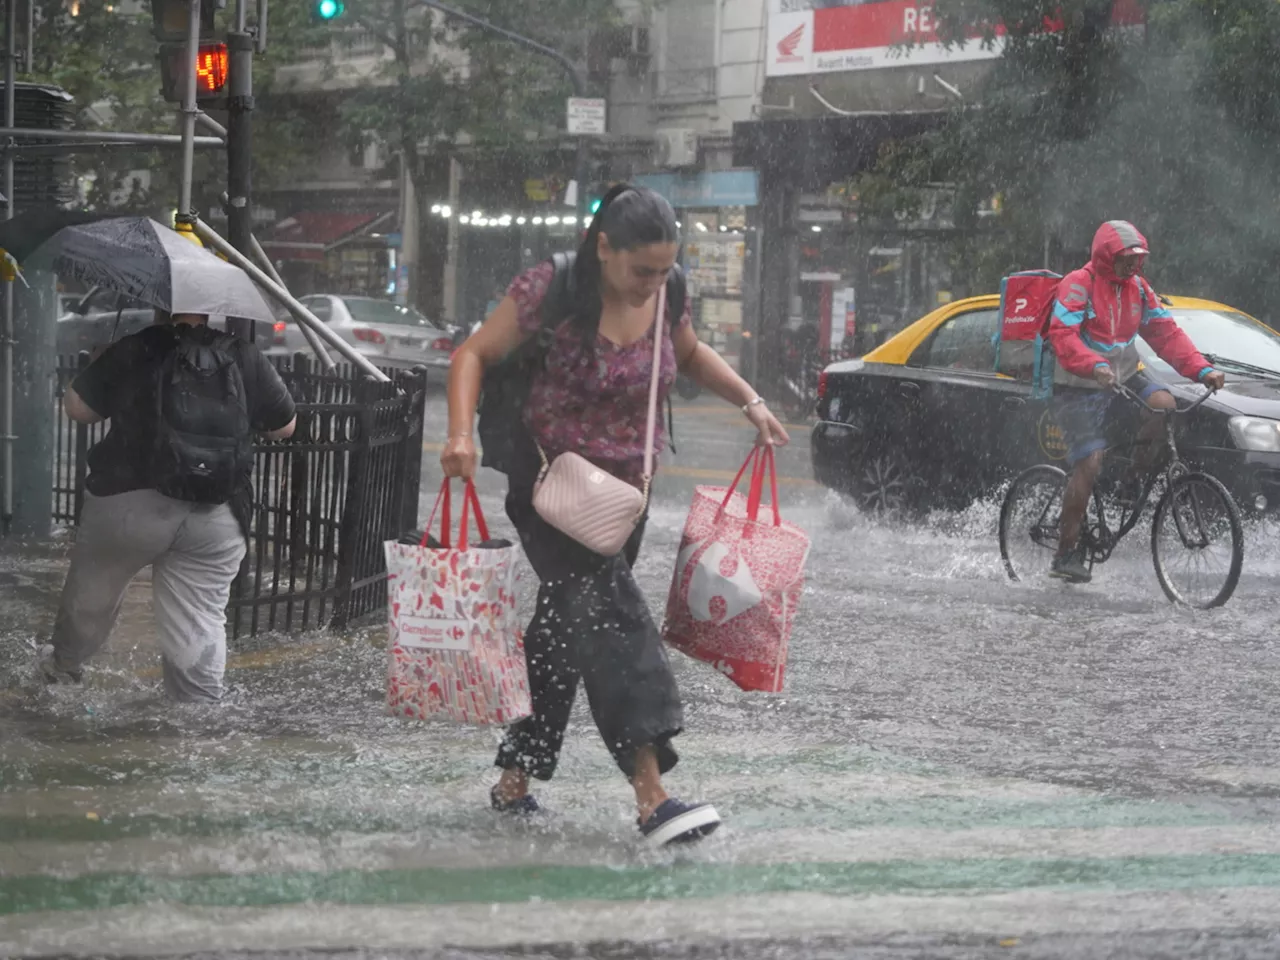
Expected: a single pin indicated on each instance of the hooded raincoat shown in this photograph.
(1098, 317)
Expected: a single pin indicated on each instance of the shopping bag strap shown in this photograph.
(758, 460)
(444, 506)
(443, 499)
(472, 500)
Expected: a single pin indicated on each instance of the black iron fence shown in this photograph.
(323, 501)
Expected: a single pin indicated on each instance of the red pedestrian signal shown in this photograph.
(211, 69)
(212, 65)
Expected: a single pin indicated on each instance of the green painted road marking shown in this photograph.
(556, 883)
(511, 845)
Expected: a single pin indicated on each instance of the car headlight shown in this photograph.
(1256, 433)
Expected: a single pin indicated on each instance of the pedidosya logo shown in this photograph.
(1052, 441)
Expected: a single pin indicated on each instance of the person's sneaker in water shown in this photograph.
(1070, 567)
(677, 822)
(53, 673)
(522, 806)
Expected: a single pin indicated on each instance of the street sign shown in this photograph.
(586, 115)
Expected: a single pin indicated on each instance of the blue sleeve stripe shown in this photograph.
(1160, 313)
(1069, 318)
(1200, 375)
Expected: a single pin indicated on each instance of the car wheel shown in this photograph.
(884, 484)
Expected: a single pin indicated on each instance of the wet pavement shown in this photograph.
(960, 767)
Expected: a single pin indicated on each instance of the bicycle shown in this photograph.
(1196, 519)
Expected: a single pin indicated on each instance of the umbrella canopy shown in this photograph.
(147, 261)
(22, 235)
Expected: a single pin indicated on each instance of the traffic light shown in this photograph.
(327, 10)
(170, 18)
(212, 63)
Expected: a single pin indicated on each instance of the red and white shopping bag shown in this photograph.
(456, 646)
(738, 581)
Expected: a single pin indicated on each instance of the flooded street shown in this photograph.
(960, 767)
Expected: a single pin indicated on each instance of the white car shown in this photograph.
(387, 333)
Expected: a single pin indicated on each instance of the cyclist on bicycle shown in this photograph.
(1101, 310)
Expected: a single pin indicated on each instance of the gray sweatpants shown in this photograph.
(194, 551)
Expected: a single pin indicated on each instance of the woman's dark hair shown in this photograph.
(630, 217)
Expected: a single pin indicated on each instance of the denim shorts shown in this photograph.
(1098, 419)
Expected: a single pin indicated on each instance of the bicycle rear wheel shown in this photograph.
(1029, 521)
(1197, 543)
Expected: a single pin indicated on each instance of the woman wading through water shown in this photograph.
(591, 398)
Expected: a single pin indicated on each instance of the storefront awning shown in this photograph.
(310, 234)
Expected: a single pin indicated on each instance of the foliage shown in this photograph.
(447, 77)
(1175, 127)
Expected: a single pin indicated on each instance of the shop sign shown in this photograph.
(708, 188)
(819, 36)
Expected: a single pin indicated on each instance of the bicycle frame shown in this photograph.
(1101, 544)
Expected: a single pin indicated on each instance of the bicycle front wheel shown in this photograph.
(1029, 521)
(1197, 543)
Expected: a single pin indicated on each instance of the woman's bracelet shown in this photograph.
(746, 407)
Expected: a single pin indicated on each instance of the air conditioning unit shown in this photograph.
(677, 148)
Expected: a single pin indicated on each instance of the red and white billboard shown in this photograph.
(822, 36)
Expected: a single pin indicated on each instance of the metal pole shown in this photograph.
(207, 234)
(571, 68)
(240, 146)
(189, 109)
(6, 425)
(102, 136)
(312, 340)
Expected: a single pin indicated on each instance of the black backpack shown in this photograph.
(504, 391)
(203, 447)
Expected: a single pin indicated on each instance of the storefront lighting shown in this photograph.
(537, 221)
(816, 229)
(723, 228)
(435, 208)
(552, 221)
(464, 219)
(520, 221)
(477, 214)
(702, 227)
(446, 211)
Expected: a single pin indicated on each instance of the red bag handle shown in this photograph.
(759, 459)
(445, 498)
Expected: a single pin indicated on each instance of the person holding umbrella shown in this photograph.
(169, 485)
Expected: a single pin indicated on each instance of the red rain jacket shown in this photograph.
(1097, 317)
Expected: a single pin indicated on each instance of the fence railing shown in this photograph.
(323, 501)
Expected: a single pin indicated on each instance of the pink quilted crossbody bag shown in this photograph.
(589, 504)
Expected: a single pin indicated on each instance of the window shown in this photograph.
(965, 342)
(364, 310)
(321, 307)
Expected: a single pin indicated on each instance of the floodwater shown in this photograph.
(959, 765)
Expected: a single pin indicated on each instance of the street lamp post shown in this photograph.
(575, 76)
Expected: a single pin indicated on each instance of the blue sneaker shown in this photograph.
(677, 822)
(523, 806)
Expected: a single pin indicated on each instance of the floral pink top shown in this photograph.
(593, 403)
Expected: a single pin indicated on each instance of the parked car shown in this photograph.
(97, 319)
(924, 420)
(388, 333)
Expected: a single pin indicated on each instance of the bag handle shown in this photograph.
(759, 459)
(445, 499)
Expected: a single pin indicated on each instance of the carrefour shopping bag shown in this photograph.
(738, 581)
(456, 647)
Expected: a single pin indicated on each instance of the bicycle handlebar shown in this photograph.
(1129, 395)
